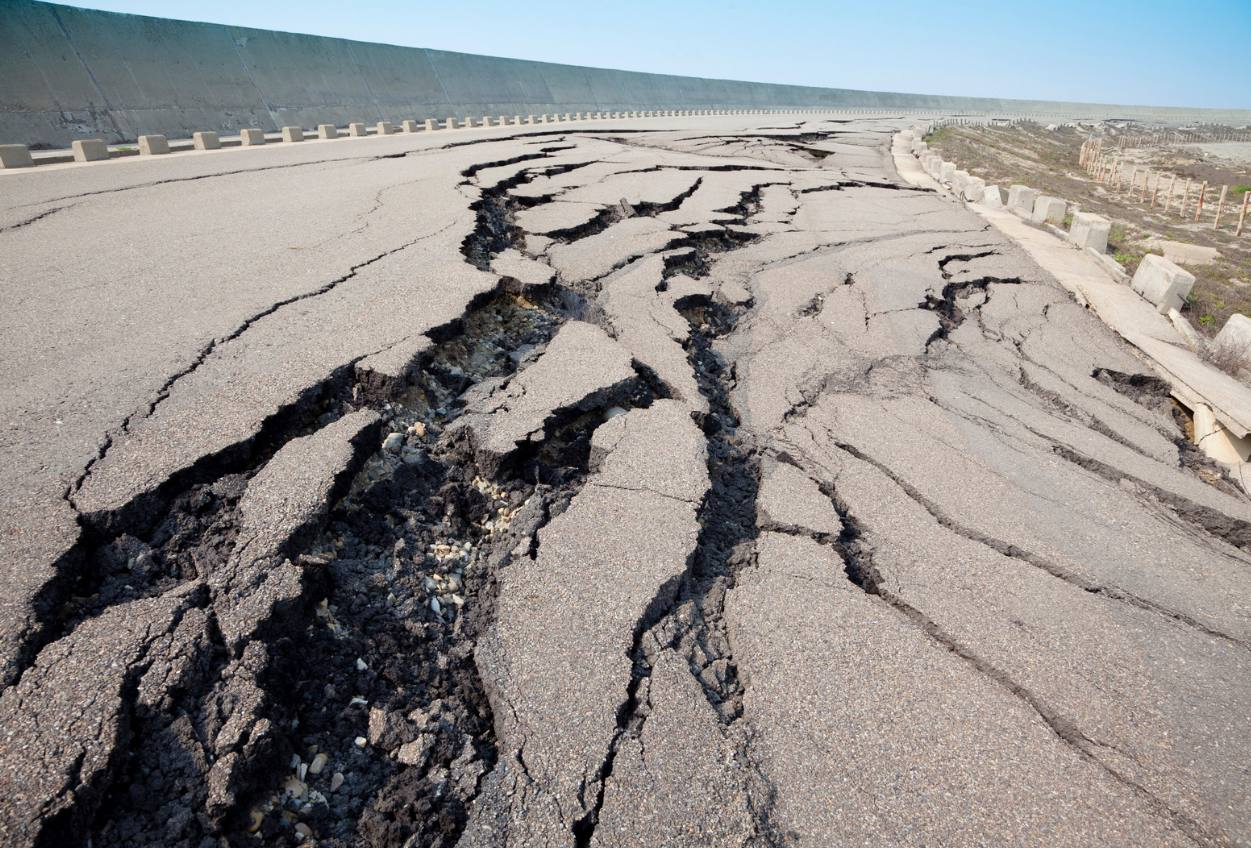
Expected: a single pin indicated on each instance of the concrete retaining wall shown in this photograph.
(69, 73)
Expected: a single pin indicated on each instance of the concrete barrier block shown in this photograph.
(1049, 210)
(385, 128)
(568, 116)
(1162, 283)
(1021, 199)
(543, 118)
(974, 189)
(15, 156)
(292, 134)
(327, 131)
(410, 126)
(429, 124)
(206, 140)
(251, 137)
(992, 197)
(450, 124)
(467, 123)
(946, 171)
(153, 144)
(89, 150)
(1090, 231)
(357, 130)
(1235, 335)
(959, 180)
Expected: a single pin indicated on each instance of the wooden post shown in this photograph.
(1242, 216)
(1220, 207)
(1168, 199)
(1185, 198)
(1145, 179)
(1133, 179)
(1155, 193)
(1199, 206)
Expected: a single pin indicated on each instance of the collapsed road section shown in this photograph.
(687, 486)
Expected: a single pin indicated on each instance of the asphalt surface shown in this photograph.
(697, 485)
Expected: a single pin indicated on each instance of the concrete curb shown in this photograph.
(16, 156)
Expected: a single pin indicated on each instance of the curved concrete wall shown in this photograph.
(69, 73)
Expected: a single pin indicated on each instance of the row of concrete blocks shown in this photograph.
(91, 150)
(1157, 280)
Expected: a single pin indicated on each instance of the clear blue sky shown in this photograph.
(1156, 52)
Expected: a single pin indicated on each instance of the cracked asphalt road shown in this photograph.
(696, 483)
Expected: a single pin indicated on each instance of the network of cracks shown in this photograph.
(353, 710)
